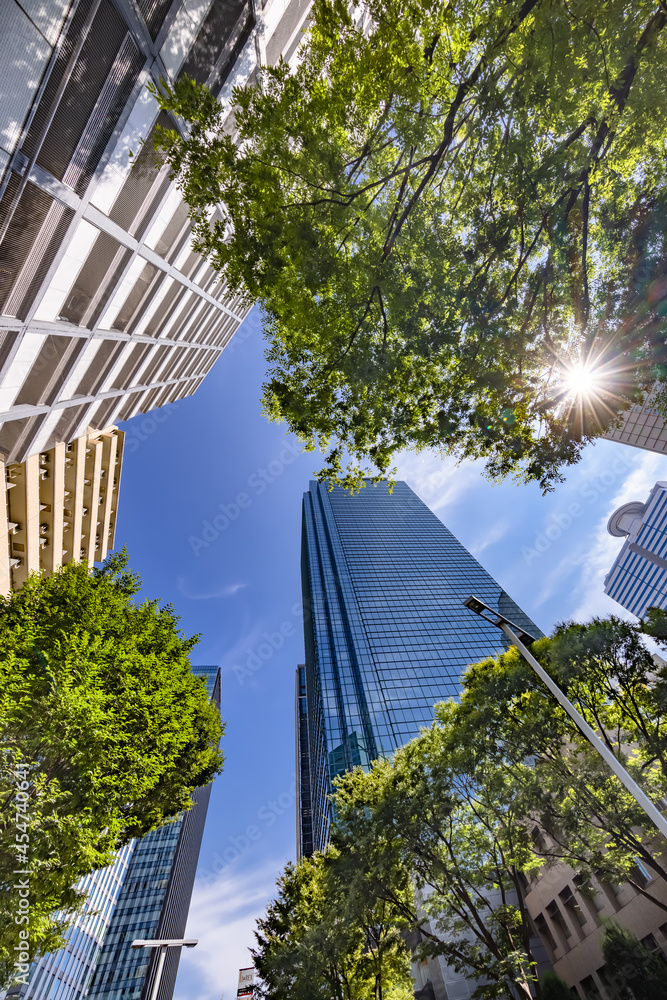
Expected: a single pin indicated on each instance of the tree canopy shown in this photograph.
(321, 940)
(445, 211)
(588, 818)
(632, 970)
(105, 734)
(442, 842)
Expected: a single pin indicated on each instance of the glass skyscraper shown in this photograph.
(387, 635)
(155, 898)
(65, 974)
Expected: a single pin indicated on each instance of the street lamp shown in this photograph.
(518, 637)
(162, 944)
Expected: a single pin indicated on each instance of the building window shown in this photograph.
(590, 989)
(544, 931)
(571, 904)
(639, 873)
(562, 927)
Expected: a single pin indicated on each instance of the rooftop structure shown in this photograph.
(638, 578)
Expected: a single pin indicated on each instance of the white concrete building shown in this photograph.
(105, 311)
(638, 578)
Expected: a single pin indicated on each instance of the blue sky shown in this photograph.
(210, 511)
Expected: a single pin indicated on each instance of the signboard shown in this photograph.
(246, 983)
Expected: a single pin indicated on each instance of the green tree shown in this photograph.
(457, 828)
(321, 939)
(633, 971)
(105, 734)
(590, 820)
(553, 988)
(443, 210)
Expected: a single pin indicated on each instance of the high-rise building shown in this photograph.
(638, 578)
(59, 506)
(642, 426)
(387, 634)
(65, 974)
(154, 900)
(387, 637)
(144, 894)
(105, 311)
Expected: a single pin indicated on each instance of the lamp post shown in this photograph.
(162, 944)
(518, 636)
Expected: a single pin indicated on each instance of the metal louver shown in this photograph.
(95, 281)
(87, 80)
(35, 232)
(154, 13)
(105, 115)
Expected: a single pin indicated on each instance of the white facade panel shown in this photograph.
(163, 218)
(183, 33)
(137, 127)
(122, 293)
(24, 53)
(19, 368)
(150, 312)
(67, 272)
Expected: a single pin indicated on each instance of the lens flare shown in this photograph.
(581, 380)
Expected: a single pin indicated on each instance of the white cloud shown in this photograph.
(222, 918)
(228, 590)
(496, 533)
(438, 481)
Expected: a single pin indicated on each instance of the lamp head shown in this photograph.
(484, 611)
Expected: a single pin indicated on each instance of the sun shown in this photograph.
(581, 380)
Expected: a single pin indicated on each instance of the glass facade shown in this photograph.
(65, 974)
(387, 634)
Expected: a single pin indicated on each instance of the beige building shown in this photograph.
(60, 506)
(642, 427)
(569, 917)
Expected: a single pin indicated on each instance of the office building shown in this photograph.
(145, 894)
(387, 634)
(105, 311)
(642, 426)
(155, 899)
(59, 506)
(66, 973)
(570, 915)
(638, 578)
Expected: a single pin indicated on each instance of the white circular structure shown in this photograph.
(621, 521)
